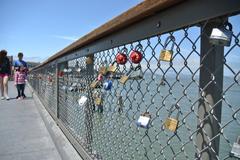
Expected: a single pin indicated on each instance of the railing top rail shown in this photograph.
(137, 13)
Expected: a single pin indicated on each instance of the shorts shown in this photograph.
(2, 75)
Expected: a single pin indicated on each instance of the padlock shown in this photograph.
(64, 88)
(162, 81)
(144, 120)
(89, 60)
(124, 78)
(73, 88)
(172, 123)
(82, 101)
(60, 73)
(107, 85)
(222, 36)
(121, 57)
(112, 68)
(137, 73)
(120, 102)
(136, 56)
(100, 77)
(166, 55)
(99, 102)
(69, 70)
(133, 73)
(65, 70)
(96, 84)
(103, 70)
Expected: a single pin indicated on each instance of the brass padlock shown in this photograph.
(112, 68)
(166, 55)
(222, 36)
(144, 120)
(103, 70)
(124, 78)
(172, 123)
(89, 60)
(134, 73)
(95, 84)
(98, 101)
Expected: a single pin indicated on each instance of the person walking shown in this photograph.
(17, 65)
(5, 72)
(19, 79)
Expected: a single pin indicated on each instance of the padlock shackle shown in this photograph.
(138, 47)
(229, 25)
(124, 50)
(138, 68)
(168, 40)
(172, 109)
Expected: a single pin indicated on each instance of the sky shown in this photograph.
(41, 28)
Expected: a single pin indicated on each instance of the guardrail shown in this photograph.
(160, 81)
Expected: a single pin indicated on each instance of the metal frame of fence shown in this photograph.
(199, 83)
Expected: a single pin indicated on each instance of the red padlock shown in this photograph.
(60, 73)
(121, 57)
(49, 78)
(136, 56)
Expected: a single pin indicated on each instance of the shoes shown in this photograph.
(7, 98)
(2, 98)
(17, 97)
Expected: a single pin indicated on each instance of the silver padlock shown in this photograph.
(144, 120)
(82, 101)
(137, 73)
(222, 36)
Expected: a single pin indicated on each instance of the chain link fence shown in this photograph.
(174, 103)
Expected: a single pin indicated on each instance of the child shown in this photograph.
(20, 78)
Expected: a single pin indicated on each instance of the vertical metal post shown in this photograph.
(90, 107)
(211, 82)
(57, 90)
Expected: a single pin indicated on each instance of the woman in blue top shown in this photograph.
(5, 72)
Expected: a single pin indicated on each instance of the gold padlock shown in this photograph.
(89, 59)
(94, 84)
(172, 123)
(166, 55)
(103, 70)
(123, 79)
(98, 101)
(112, 68)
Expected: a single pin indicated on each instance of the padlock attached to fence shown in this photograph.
(137, 73)
(73, 88)
(82, 101)
(121, 57)
(144, 120)
(166, 55)
(120, 102)
(98, 100)
(98, 82)
(136, 55)
(134, 73)
(172, 123)
(222, 36)
(107, 85)
(89, 60)
(112, 67)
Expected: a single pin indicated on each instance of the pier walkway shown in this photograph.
(27, 132)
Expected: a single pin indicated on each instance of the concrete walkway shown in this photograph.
(23, 133)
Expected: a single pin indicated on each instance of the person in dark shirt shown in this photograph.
(5, 72)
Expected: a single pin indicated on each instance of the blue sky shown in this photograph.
(39, 29)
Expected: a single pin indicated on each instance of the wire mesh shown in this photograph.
(159, 91)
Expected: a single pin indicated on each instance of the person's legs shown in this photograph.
(1, 87)
(22, 90)
(5, 86)
(19, 91)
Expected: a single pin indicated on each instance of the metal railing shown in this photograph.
(181, 101)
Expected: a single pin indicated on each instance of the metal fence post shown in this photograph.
(89, 109)
(57, 90)
(210, 104)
